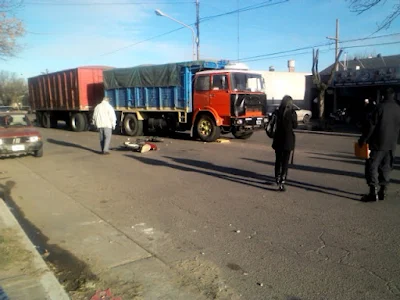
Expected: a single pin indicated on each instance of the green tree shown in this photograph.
(13, 90)
(11, 28)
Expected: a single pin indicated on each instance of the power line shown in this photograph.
(104, 3)
(370, 45)
(320, 45)
(201, 20)
(143, 41)
(243, 9)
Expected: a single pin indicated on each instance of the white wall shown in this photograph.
(279, 84)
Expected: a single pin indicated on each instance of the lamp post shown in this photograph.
(161, 14)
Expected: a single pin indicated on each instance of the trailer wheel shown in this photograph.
(241, 135)
(53, 122)
(207, 129)
(46, 121)
(39, 119)
(78, 122)
(133, 126)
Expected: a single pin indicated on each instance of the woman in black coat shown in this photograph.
(284, 139)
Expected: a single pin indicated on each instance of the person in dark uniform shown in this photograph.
(381, 133)
(284, 139)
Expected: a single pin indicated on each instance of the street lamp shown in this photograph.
(161, 14)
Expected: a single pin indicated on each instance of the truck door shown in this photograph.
(219, 94)
(202, 92)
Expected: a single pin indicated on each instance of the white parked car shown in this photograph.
(303, 115)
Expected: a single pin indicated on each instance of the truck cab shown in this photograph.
(228, 100)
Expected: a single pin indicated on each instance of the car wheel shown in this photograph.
(39, 153)
(306, 119)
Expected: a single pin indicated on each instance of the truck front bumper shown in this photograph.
(250, 122)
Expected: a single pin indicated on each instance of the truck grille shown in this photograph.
(240, 103)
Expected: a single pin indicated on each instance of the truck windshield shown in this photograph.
(247, 82)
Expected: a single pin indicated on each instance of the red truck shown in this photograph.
(206, 97)
(68, 95)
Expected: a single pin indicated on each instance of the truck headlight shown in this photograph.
(240, 121)
(34, 139)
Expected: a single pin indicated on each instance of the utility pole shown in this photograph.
(198, 28)
(238, 32)
(336, 39)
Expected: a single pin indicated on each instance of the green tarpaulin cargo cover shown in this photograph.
(149, 75)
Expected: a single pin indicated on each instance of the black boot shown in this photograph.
(281, 184)
(372, 196)
(382, 192)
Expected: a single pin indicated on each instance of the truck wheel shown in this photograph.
(53, 122)
(46, 123)
(242, 135)
(78, 122)
(132, 126)
(207, 130)
(39, 119)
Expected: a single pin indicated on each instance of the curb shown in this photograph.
(47, 279)
(327, 133)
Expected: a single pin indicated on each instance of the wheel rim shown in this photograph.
(73, 122)
(131, 124)
(205, 127)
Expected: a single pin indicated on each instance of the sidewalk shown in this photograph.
(88, 253)
(23, 273)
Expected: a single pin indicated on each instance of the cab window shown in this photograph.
(219, 82)
(203, 83)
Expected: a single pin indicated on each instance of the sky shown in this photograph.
(64, 34)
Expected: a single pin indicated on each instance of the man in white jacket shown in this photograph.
(105, 120)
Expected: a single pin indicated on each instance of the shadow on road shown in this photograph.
(351, 159)
(231, 174)
(67, 144)
(318, 170)
(262, 182)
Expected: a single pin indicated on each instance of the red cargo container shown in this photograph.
(68, 95)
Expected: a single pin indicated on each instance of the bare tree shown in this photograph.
(361, 6)
(321, 85)
(13, 90)
(11, 28)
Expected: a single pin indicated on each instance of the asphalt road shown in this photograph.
(213, 210)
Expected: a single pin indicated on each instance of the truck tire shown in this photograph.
(241, 135)
(206, 128)
(78, 122)
(53, 122)
(133, 126)
(46, 120)
(39, 119)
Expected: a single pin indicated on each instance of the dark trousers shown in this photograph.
(378, 168)
(281, 164)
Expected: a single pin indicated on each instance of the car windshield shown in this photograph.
(247, 82)
(13, 120)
